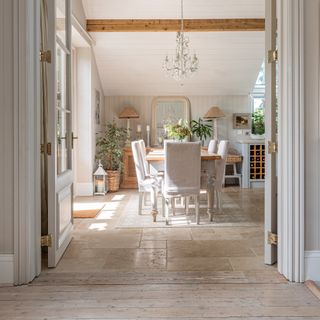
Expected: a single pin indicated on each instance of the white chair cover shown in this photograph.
(144, 155)
(182, 168)
(221, 164)
(213, 146)
(145, 183)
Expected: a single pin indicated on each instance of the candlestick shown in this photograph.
(148, 138)
(139, 128)
(148, 128)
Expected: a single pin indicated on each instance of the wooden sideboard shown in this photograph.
(129, 178)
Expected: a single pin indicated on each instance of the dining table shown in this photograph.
(156, 158)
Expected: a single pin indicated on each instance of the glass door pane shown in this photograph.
(63, 112)
(61, 20)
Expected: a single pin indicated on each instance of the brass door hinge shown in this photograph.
(272, 238)
(46, 241)
(45, 56)
(46, 149)
(49, 151)
(272, 147)
(272, 56)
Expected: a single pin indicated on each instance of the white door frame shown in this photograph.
(270, 211)
(291, 209)
(27, 217)
(27, 210)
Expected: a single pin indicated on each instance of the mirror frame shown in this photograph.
(187, 112)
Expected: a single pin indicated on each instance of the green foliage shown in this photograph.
(110, 147)
(178, 131)
(258, 126)
(201, 129)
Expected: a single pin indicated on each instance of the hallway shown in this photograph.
(112, 272)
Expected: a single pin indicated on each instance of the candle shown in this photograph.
(148, 128)
(139, 128)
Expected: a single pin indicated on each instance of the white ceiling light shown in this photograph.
(182, 65)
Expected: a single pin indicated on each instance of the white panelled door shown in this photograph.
(271, 133)
(60, 174)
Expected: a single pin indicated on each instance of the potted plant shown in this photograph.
(110, 151)
(178, 131)
(201, 130)
(258, 125)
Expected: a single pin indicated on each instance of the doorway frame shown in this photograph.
(291, 186)
(27, 212)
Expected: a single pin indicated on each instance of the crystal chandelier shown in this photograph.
(182, 64)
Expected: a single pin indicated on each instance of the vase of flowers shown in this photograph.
(178, 131)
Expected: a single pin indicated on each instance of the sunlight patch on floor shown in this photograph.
(118, 197)
(105, 215)
(101, 226)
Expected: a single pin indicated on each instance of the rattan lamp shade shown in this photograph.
(214, 113)
(128, 113)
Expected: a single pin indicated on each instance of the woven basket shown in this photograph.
(113, 178)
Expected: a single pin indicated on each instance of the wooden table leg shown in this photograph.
(154, 211)
(210, 190)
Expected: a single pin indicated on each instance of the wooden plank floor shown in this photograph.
(109, 272)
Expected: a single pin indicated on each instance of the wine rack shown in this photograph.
(257, 161)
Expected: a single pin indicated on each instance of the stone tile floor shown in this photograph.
(111, 272)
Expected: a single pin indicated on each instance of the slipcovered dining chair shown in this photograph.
(220, 166)
(146, 184)
(157, 174)
(182, 174)
(213, 146)
(142, 147)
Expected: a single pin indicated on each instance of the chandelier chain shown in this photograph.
(182, 64)
(182, 24)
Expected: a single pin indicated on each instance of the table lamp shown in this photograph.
(213, 114)
(128, 113)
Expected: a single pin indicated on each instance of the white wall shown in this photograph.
(199, 106)
(87, 83)
(312, 139)
(6, 126)
(85, 127)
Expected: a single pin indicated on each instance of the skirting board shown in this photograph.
(83, 189)
(312, 265)
(6, 269)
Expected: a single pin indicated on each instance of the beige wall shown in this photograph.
(6, 127)
(199, 106)
(312, 125)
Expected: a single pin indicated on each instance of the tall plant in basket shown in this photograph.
(110, 151)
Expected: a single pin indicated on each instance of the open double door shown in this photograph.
(57, 134)
(56, 82)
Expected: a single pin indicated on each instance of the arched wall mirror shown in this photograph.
(167, 110)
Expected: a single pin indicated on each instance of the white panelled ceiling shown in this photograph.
(131, 63)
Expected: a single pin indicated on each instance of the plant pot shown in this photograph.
(113, 178)
(257, 136)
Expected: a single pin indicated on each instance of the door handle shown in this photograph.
(72, 139)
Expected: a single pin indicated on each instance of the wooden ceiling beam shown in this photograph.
(174, 25)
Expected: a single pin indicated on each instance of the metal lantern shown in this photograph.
(100, 181)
